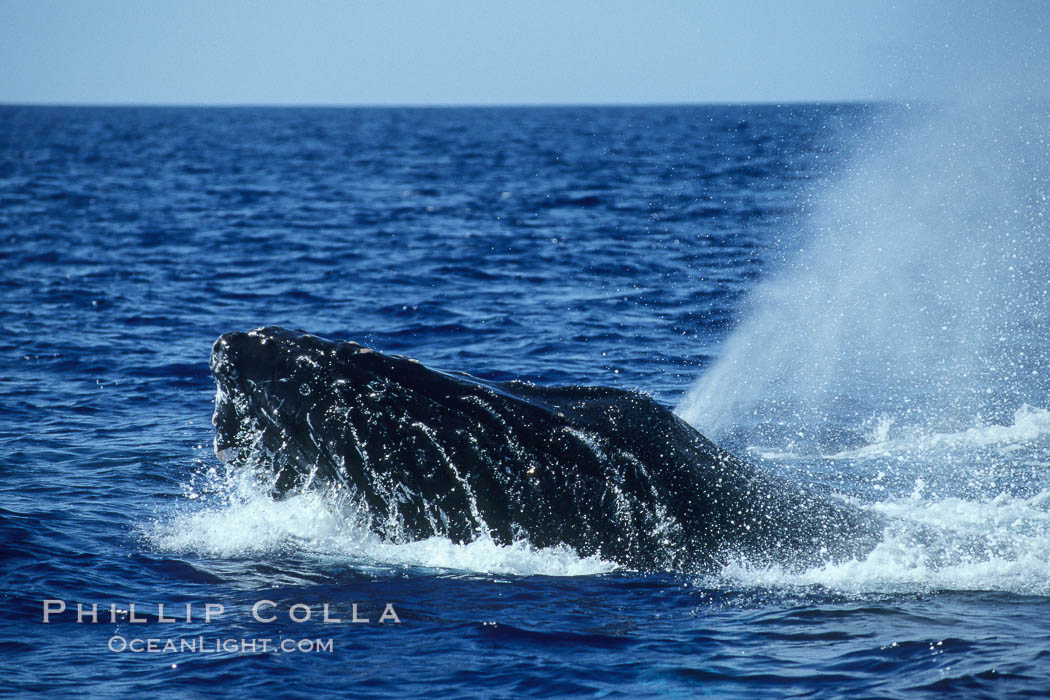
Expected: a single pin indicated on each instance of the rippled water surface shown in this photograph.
(850, 296)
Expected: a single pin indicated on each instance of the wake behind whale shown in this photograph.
(429, 453)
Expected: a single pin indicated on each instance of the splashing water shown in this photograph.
(1029, 425)
(1002, 544)
(236, 517)
(924, 294)
(909, 341)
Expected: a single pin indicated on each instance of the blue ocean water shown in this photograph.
(852, 296)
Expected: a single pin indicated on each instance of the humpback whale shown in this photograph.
(427, 452)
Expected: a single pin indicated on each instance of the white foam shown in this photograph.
(1002, 544)
(240, 519)
(1029, 425)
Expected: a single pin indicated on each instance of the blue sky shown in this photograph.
(499, 52)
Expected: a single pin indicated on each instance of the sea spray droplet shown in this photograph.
(911, 297)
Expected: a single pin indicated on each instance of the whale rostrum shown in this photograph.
(605, 471)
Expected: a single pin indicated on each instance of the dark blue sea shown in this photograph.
(854, 297)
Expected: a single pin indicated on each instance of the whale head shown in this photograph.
(307, 405)
(427, 452)
(420, 447)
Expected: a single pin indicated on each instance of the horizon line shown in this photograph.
(453, 105)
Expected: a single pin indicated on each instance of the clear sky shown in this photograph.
(523, 52)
